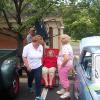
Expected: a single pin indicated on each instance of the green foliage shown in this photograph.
(81, 19)
(2, 4)
(24, 13)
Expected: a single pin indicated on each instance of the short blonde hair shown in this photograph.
(37, 38)
(66, 38)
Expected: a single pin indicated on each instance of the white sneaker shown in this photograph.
(62, 91)
(65, 95)
(76, 95)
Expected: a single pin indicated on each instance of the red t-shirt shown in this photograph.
(50, 62)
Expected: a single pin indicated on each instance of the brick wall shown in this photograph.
(7, 42)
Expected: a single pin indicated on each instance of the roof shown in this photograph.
(92, 49)
(89, 41)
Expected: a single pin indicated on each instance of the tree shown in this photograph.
(94, 12)
(81, 18)
(24, 13)
(2, 10)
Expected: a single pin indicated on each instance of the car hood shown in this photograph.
(95, 90)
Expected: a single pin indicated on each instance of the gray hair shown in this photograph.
(66, 37)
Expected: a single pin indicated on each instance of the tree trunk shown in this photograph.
(18, 6)
(20, 46)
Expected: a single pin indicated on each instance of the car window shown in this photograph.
(97, 64)
(87, 64)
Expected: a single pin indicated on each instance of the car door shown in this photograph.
(83, 80)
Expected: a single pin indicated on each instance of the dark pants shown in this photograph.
(37, 75)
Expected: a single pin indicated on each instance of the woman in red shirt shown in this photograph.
(49, 68)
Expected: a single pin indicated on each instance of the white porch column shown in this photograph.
(55, 37)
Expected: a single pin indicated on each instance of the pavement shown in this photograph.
(48, 94)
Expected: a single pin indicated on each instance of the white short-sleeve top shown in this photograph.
(66, 49)
(34, 56)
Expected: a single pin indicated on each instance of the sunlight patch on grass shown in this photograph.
(75, 42)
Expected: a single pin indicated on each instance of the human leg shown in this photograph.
(63, 76)
(30, 80)
(38, 77)
(76, 84)
(51, 75)
(45, 75)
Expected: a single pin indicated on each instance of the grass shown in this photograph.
(75, 42)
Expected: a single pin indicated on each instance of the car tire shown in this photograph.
(14, 88)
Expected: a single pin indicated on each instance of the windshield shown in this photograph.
(97, 64)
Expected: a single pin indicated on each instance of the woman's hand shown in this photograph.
(26, 64)
(29, 68)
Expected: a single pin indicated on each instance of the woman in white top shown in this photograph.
(32, 58)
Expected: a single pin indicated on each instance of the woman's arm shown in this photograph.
(65, 60)
(26, 63)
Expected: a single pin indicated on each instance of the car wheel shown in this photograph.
(14, 89)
